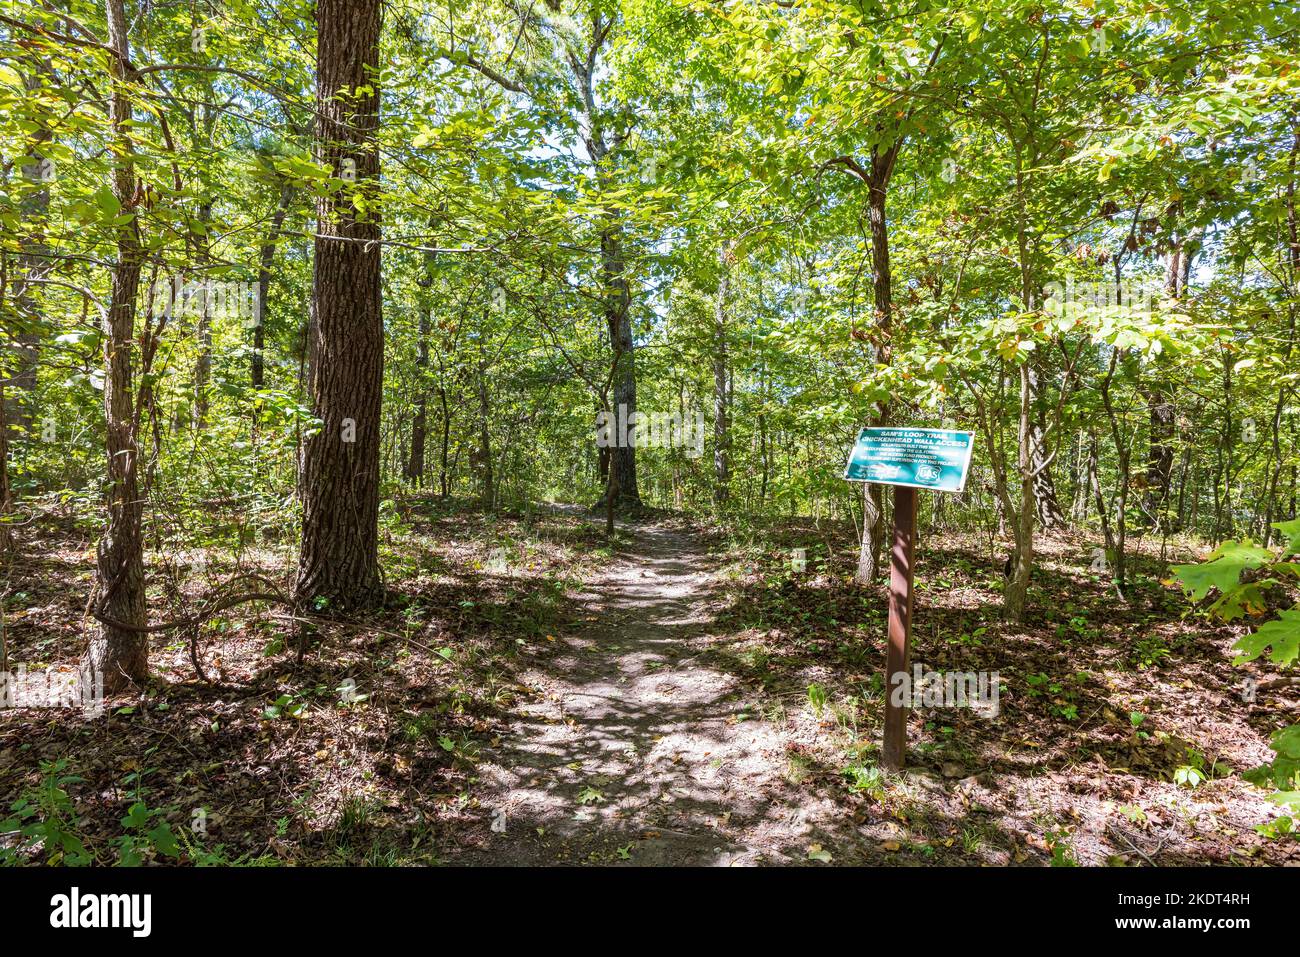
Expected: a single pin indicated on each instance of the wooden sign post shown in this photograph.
(898, 654)
(907, 459)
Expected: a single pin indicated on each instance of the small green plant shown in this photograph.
(1134, 813)
(1194, 772)
(865, 779)
(354, 816)
(1040, 684)
(1149, 652)
(1062, 852)
(147, 834)
(1283, 773)
(817, 698)
(45, 820)
(292, 705)
(1279, 828)
(48, 826)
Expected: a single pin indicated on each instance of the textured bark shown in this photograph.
(1047, 507)
(265, 259)
(485, 437)
(721, 466)
(1017, 591)
(339, 561)
(1024, 517)
(617, 299)
(1160, 453)
(6, 536)
(882, 167)
(118, 654)
(618, 319)
(420, 424)
(1160, 407)
(203, 328)
(1286, 390)
(444, 439)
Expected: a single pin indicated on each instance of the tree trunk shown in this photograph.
(444, 442)
(265, 258)
(1047, 506)
(882, 167)
(203, 328)
(119, 654)
(485, 436)
(617, 298)
(721, 473)
(618, 319)
(339, 562)
(1017, 593)
(6, 536)
(420, 425)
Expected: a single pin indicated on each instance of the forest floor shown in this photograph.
(530, 695)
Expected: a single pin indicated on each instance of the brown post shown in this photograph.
(900, 624)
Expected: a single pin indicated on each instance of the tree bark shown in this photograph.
(203, 328)
(617, 298)
(119, 654)
(338, 566)
(882, 167)
(420, 424)
(618, 319)
(265, 259)
(721, 466)
(1047, 506)
(485, 437)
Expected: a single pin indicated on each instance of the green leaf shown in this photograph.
(164, 840)
(1291, 530)
(1247, 599)
(1283, 635)
(137, 816)
(107, 202)
(1223, 569)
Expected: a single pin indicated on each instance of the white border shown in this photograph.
(965, 470)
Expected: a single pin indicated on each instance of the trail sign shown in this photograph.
(908, 459)
(936, 459)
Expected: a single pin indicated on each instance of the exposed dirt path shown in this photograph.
(637, 750)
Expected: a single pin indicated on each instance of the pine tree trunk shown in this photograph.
(339, 565)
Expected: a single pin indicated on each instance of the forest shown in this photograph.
(424, 429)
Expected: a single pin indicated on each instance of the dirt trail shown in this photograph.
(638, 744)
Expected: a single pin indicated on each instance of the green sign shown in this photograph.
(936, 459)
